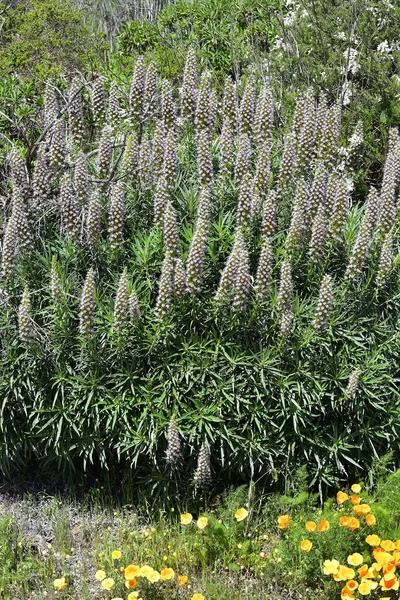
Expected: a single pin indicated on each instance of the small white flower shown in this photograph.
(384, 47)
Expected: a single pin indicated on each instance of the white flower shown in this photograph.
(384, 47)
(341, 35)
(352, 66)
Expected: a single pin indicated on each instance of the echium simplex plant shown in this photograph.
(19, 175)
(227, 282)
(204, 206)
(134, 307)
(372, 209)
(57, 145)
(243, 281)
(136, 92)
(21, 222)
(26, 327)
(331, 190)
(340, 211)
(98, 101)
(264, 119)
(214, 110)
(161, 198)
(50, 104)
(298, 118)
(75, 112)
(226, 150)
(298, 224)
(145, 163)
(203, 108)
(317, 240)
(286, 287)
(385, 261)
(8, 255)
(244, 213)
(93, 220)
(150, 89)
(165, 289)
(168, 110)
(261, 179)
(203, 475)
(104, 152)
(387, 205)
(353, 383)
(268, 220)
(196, 258)
(55, 282)
(242, 158)
(81, 178)
(360, 249)
(171, 235)
(41, 178)
(264, 270)
(130, 159)
(116, 216)
(305, 143)
(114, 107)
(286, 321)
(286, 165)
(179, 279)
(121, 303)
(170, 165)
(173, 452)
(70, 208)
(328, 142)
(87, 306)
(325, 303)
(204, 161)
(320, 119)
(158, 149)
(318, 189)
(189, 84)
(229, 104)
(246, 112)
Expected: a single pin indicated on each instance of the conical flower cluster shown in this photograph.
(286, 288)
(226, 288)
(116, 216)
(352, 386)
(170, 166)
(158, 149)
(93, 220)
(229, 104)
(136, 93)
(70, 208)
(268, 222)
(242, 158)
(317, 240)
(243, 282)
(40, 180)
(203, 475)
(145, 164)
(179, 283)
(130, 158)
(26, 328)
(150, 89)
(104, 152)
(203, 108)
(98, 101)
(385, 261)
(19, 174)
(171, 235)
(264, 270)
(246, 112)
(244, 214)
(134, 307)
(51, 108)
(226, 150)
(189, 84)
(21, 224)
(57, 145)
(165, 289)
(318, 189)
(113, 108)
(325, 303)
(264, 118)
(121, 303)
(168, 110)
(328, 144)
(340, 212)
(81, 178)
(204, 159)
(87, 306)
(161, 198)
(8, 255)
(304, 152)
(55, 282)
(261, 179)
(173, 453)
(360, 249)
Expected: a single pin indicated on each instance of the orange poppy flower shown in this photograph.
(341, 497)
(344, 521)
(362, 509)
(370, 520)
(311, 526)
(306, 545)
(353, 523)
(352, 585)
(323, 526)
(283, 521)
(182, 579)
(355, 500)
(347, 593)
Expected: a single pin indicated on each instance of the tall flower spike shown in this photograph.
(51, 108)
(93, 220)
(286, 321)
(298, 224)
(387, 205)
(179, 283)
(360, 249)
(116, 216)
(21, 222)
(286, 166)
(171, 235)
(385, 261)
(173, 453)
(165, 289)
(121, 303)
(196, 258)
(189, 84)
(170, 166)
(70, 209)
(161, 198)
(246, 113)
(229, 104)
(286, 287)
(261, 179)
(8, 256)
(243, 282)
(318, 189)
(150, 91)
(203, 109)
(329, 137)
(158, 149)
(203, 476)
(168, 110)
(87, 306)
(242, 158)
(204, 208)
(320, 119)
(325, 303)
(204, 159)
(226, 150)
(81, 178)
(55, 282)
(130, 159)
(244, 213)
(75, 112)
(40, 180)
(134, 307)
(145, 164)
(268, 222)
(340, 211)
(26, 326)
(317, 239)
(136, 93)
(104, 152)
(331, 190)
(98, 101)
(229, 274)
(352, 386)
(214, 110)
(19, 173)
(264, 118)
(305, 146)
(264, 270)
(114, 108)
(57, 145)
(372, 209)
(298, 118)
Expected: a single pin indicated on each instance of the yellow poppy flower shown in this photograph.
(100, 575)
(306, 545)
(373, 540)
(356, 488)
(60, 584)
(343, 573)
(352, 585)
(387, 545)
(133, 595)
(182, 579)
(132, 571)
(145, 570)
(167, 574)
(154, 576)
(107, 584)
(346, 593)
(331, 567)
(241, 514)
(198, 597)
(341, 497)
(370, 520)
(353, 523)
(186, 519)
(362, 509)
(311, 526)
(116, 554)
(202, 522)
(130, 583)
(283, 522)
(355, 559)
